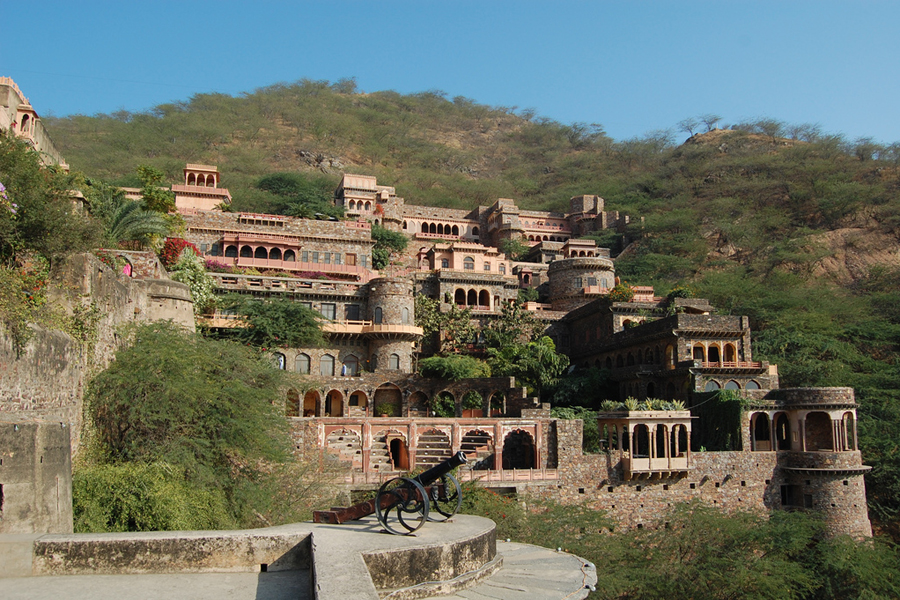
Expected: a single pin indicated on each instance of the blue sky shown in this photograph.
(632, 67)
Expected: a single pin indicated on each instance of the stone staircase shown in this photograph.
(479, 444)
(433, 448)
(380, 455)
(346, 447)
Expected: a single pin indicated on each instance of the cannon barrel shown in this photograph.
(435, 472)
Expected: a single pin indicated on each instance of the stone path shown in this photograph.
(532, 573)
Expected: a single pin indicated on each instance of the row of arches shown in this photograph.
(471, 297)
(350, 366)
(547, 238)
(360, 205)
(813, 431)
(518, 450)
(712, 385)
(201, 179)
(260, 252)
(714, 352)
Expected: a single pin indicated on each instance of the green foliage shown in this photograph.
(44, 219)
(275, 322)
(144, 497)
(584, 387)
(515, 325)
(443, 405)
(535, 365)
(622, 292)
(453, 368)
(300, 195)
(527, 295)
(155, 196)
(190, 269)
(207, 408)
(387, 242)
(513, 248)
(718, 424)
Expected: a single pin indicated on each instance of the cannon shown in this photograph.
(403, 504)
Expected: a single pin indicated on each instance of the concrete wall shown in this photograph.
(35, 477)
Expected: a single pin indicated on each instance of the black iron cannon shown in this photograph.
(407, 501)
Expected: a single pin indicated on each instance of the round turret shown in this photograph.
(576, 281)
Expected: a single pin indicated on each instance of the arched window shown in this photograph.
(379, 315)
(424, 227)
(730, 353)
(698, 352)
(760, 434)
(484, 298)
(261, 253)
(459, 298)
(713, 354)
(192, 179)
(455, 230)
(350, 367)
(275, 254)
(711, 386)
(231, 252)
(301, 364)
(432, 228)
(289, 256)
(472, 298)
(326, 365)
(475, 231)
(752, 385)
(732, 385)
(353, 205)
(469, 263)
(246, 252)
(395, 362)
(279, 360)
(405, 225)
(445, 263)
(404, 316)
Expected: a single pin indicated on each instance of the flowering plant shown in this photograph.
(5, 202)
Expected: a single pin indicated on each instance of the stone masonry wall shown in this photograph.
(35, 477)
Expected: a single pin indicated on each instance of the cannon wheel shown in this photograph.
(401, 501)
(445, 497)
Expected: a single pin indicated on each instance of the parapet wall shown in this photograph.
(35, 477)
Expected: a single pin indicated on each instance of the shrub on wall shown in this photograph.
(172, 249)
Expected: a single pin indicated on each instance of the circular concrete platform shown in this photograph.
(354, 560)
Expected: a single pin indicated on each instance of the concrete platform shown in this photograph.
(300, 561)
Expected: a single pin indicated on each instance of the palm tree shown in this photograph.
(130, 222)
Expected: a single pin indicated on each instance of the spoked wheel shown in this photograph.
(401, 506)
(446, 498)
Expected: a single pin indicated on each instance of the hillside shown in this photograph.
(797, 229)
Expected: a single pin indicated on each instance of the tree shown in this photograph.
(535, 364)
(688, 125)
(515, 325)
(155, 196)
(299, 195)
(190, 270)
(513, 248)
(387, 242)
(453, 368)
(131, 223)
(37, 212)
(205, 407)
(710, 121)
(276, 323)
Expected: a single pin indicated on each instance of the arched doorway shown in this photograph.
(311, 403)
(418, 405)
(387, 400)
(760, 433)
(358, 404)
(334, 404)
(518, 450)
(782, 432)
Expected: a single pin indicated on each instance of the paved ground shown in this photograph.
(283, 585)
(532, 573)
